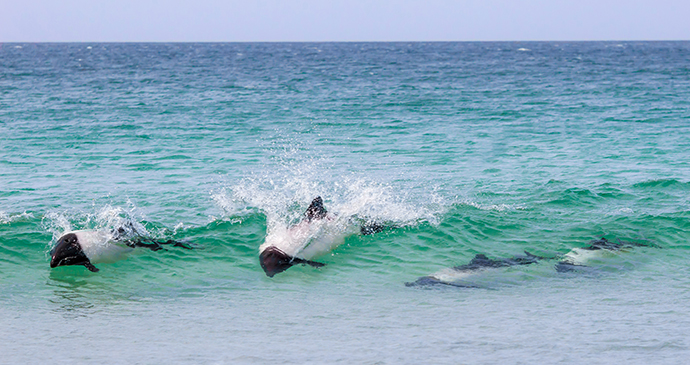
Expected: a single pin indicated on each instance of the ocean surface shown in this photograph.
(458, 149)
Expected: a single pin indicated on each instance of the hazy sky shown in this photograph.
(339, 20)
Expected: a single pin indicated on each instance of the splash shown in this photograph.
(494, 207)
(6, 218)
(127, 221)
(352, 199)
(284, 194)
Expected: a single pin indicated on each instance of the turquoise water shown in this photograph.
(461, 148)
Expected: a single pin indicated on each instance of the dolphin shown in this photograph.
(92, 246)
(454, 276)
(578, 258)
(575, 260)
(318, 233)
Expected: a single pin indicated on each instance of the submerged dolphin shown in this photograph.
(575, 260)
(88, 247)
(316, 234)
(578, 258)
(479, 263)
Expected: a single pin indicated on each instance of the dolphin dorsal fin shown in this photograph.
(315, 210)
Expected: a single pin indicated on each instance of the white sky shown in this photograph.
(340, 20)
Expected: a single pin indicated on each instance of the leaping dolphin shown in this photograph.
(318, 233)
(89, 247)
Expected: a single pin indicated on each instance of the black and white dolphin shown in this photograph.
(455, 276)
(579, 258)
(576, 260)
(93, 246)
(317, 234)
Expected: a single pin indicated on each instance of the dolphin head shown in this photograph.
(274, 261)
(68, 251)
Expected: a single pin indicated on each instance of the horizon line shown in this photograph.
(367, 41)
